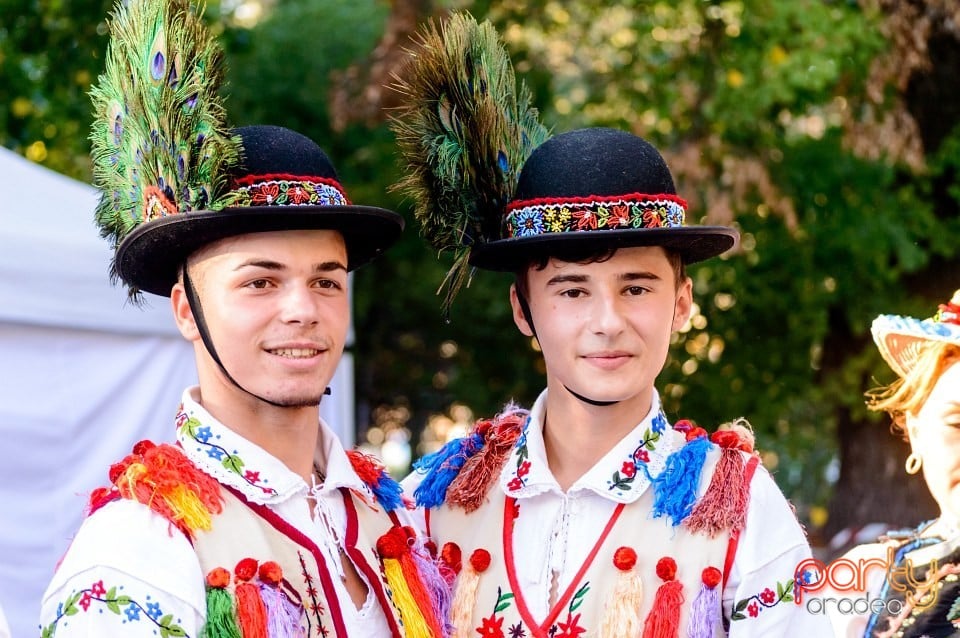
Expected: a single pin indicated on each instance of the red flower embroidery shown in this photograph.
(620, 216)
(492, 627)
(97, 589)
(251, 476)
(651, 219)
(571, 628)
(265, 193)
(753, 609)
(85, 600)
(641, 455)
(298, 194)
(585, 219)
(524, 469)
(767, 596)
(628, 469)
(514, 484)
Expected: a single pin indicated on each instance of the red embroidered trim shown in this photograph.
(540, 630)
(598, 199)
(247, 180)
(735, 534)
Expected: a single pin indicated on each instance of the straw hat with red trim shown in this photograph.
(901, 339)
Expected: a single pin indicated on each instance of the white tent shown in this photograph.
(85, 375)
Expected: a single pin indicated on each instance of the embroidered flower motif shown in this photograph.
(517, 631)
(641, 455)
(586, 219)
(603, 214)
(767, 596)
(754, 605)
(651, 219)
(492, 627)
(265, 193)
(514, 484)
(571, 628)
(133, 613)
(99, 599)
(215, 453)
(153, 610)
(97, 589)
(203, 434)
(298, 194)
(629, 469)
(529, 222)
(524, 469)
(251, 476)
(620, 216)
(753, 610)
(659, 423)
(674, 216)
(85, 600)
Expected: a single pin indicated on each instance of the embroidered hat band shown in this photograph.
(562, 215)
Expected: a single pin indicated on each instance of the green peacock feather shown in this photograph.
(464, 133)
(160, 143)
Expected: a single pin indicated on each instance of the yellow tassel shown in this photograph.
(188, 508)
(621, 613)
(414, 624)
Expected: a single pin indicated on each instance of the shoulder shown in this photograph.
(135, 547)
(462, 472)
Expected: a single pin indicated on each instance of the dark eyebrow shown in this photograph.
(627, 276)
(267, 264)
(640, 276)
(566, 279)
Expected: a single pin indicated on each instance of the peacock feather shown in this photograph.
(464, 133)
(160, 143)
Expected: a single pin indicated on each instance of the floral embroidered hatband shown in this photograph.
(536, 217)
(284, 190)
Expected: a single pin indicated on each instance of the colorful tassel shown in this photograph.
(221, 621)
(283, 616)
(409, 594)
(465, 596)
(724, 505)
(387, 491)
(469, 489)
(439, 591)
(162, 477)
(251, 612)
(621, 614)
(675, 488)
(663, 621)
(100, 497)
(441, 468)
(705, 614)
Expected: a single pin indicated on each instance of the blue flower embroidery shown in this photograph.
(659, 423)
(529, 222)
(674, 217)
(153, 610)
(133, 613)
(203, 434)
(215, 453)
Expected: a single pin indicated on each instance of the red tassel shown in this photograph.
(450, 562)
(663, 621)
(469, 489)
(724, 505)
(395, 545)
(251, 612)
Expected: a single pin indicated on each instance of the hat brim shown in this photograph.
(901, 339)
(150, 256)
(692, 243)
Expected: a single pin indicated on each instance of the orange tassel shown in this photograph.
(251, 612)
(469, 488)
(724, 505)
(621, 614)
(663, 621)
(465, 596)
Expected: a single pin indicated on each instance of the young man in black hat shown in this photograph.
(591, 514)
(256, 522)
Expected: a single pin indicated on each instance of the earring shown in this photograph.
(914, 461)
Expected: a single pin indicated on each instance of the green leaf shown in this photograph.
(233, 463)
(737, 616)
(742, 604)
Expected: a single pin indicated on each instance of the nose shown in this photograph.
(607, 313)
(299, 305)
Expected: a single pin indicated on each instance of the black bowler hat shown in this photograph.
(596, 189)
(284, 181)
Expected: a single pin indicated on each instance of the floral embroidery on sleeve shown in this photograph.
(752, 606)
(127, 610)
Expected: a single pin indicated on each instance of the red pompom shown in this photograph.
(245, 569)
(271, 572)
(696, 433)
(452, 557)
(116, 470)
(218, 578)
(684, 425)
(624, 558)
(731, 440)
(392, 544)
(480, 560)
(711, 577)
(142, 447)
(666, 568)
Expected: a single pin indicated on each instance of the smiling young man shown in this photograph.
(592, 514)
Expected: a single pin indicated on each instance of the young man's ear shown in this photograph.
(683, 305)
(518, 317)
(182, 314)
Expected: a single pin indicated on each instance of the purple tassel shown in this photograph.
(283, 616)
(705, 612)
(441, 593)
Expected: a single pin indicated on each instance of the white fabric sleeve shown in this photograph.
(129, 573)
(759, 598)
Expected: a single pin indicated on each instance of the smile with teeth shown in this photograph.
(295, 353)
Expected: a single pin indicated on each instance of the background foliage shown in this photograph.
(825, 130)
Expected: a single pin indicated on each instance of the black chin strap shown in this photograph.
(525, 309)
(194, 301)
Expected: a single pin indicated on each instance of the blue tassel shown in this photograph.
(675, 488)
(442, 467)
(387, 492)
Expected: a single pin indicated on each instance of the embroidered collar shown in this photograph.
(251, 470)
(622, 475)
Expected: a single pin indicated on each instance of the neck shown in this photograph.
(577, 435)
(289, 434)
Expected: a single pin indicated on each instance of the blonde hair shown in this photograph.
(908, 394)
